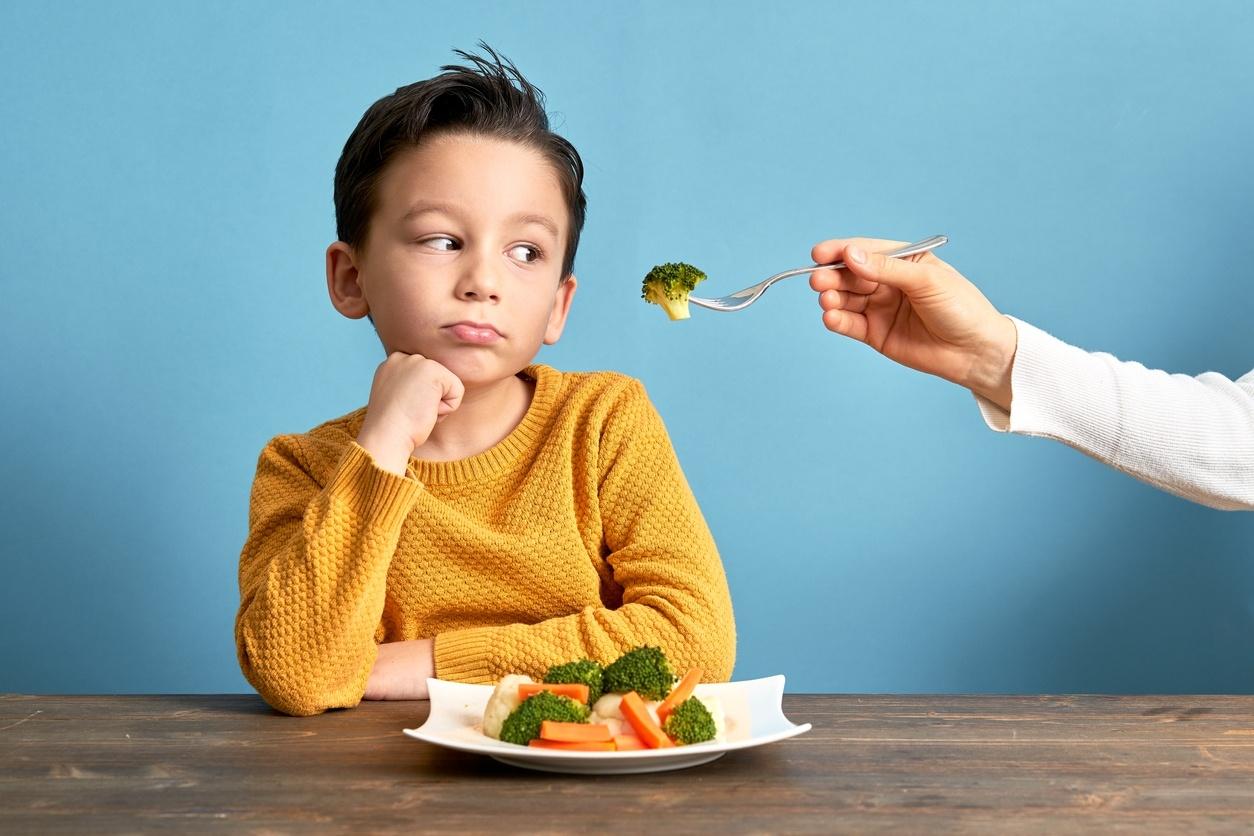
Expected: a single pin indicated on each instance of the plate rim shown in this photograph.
(492, 748)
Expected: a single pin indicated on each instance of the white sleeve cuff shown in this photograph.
(1060, 392)
(1192, 436)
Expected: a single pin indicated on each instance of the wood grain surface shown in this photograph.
(1171, 764)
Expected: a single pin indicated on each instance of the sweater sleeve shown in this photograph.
(1191, 436)
(661, 552)
(312, 576)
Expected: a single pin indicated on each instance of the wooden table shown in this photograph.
(871, 763)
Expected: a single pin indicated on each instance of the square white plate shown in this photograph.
(753, 708)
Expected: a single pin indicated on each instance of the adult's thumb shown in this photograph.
(908, 276)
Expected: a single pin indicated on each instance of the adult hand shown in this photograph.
(918, 311)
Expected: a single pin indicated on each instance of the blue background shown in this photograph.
(166, 199)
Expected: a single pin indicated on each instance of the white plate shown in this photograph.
(753, 709)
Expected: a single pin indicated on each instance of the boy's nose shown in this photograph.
(479, 284)
(475, 294)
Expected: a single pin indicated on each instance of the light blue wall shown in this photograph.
(165, 199)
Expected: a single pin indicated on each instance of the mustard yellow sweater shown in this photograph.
(575, 536)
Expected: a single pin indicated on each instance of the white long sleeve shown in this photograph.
(1192, 436)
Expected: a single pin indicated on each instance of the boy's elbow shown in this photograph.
(298, 698)
(297, 702)
(712, 647)
(719, 656)
(292, 691)
(721, 641)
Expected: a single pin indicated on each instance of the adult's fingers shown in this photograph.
(852, 325)
(821, 280)
(826, 252)
(833, 300)
(905, 274)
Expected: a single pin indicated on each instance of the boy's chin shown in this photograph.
(475, 372)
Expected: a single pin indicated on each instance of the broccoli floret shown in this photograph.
(668, 285)
(644, 670)
(690, 722)
(523, 724)
(583, 672)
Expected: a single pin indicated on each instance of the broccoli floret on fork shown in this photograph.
(669, 285)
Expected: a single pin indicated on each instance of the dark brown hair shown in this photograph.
(489, 98)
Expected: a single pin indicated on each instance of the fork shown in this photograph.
(742, 299)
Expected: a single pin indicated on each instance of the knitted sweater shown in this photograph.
(575, 536)
(1192, 436)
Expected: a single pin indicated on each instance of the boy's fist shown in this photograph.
(409, 394)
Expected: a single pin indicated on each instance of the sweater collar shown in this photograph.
(507, 451)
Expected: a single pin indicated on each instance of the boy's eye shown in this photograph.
(441, 242)
(525, 253)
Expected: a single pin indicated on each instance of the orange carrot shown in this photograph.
(628, 742)
(682, 692)
(574, 746)
(576, 691)
(575, 732)
(637, 715)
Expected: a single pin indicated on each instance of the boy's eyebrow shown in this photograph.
(541, 220)
(424, 206)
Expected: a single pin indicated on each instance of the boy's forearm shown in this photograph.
(295, 593)
(693, 632)
(401, 670)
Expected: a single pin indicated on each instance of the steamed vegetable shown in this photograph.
(644, 670)
(682, 692)
(523, 725)
(669, 285)
(578, 693)
(575, 732)
(690, 722)
(583, 672)
(649, 732)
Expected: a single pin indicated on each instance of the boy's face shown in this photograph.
(462, 263)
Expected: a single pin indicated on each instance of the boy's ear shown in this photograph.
(561, 307)
(343, 281)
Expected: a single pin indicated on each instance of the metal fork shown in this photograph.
(742, 299)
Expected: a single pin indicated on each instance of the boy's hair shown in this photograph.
(490, 98)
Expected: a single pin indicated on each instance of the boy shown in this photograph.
(481, 515)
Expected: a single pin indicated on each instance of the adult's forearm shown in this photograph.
(1191, 436)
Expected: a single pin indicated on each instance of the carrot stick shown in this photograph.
(637, 715)
(628, 743)
(575, 732)
(574, 690)
(682, 692)
(574, 746)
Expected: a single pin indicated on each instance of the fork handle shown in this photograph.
(926, 245)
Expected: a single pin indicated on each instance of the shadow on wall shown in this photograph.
(1173, 614)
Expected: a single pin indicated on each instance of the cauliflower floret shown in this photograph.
(608, 710)
(502, 704)
(618, 728)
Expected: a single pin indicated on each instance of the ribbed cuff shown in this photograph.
(379, 497)
(1064, 393)
(462, 655)
(1059, 391)
(994, 416)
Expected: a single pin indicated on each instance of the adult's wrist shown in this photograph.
(993, 366)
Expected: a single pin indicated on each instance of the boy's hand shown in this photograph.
(400, 671)
(918, 311)
(409, 395)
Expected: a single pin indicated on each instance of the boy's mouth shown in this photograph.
(476, 333)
